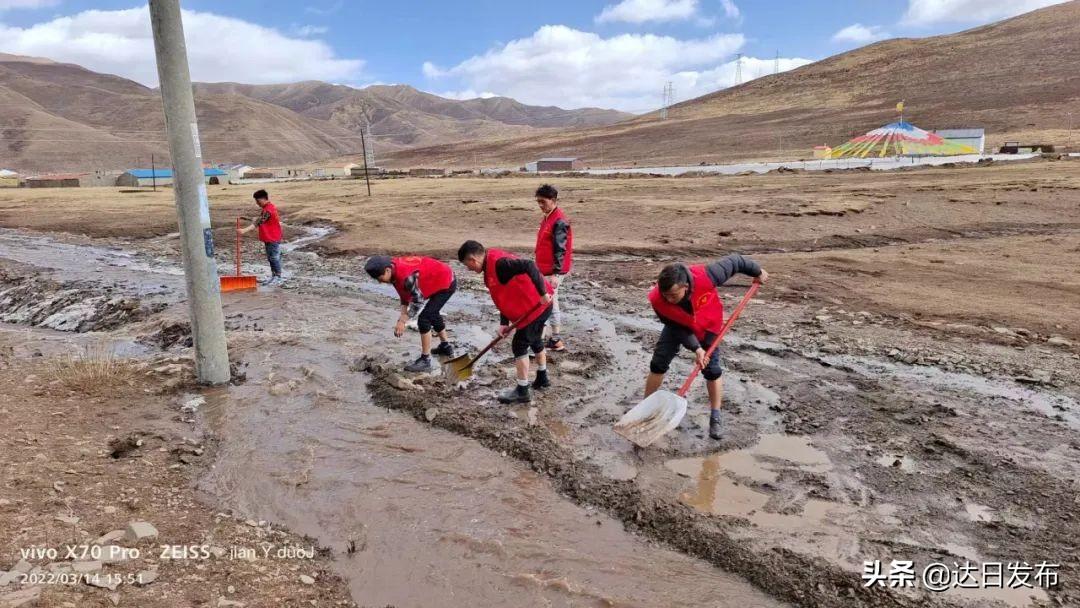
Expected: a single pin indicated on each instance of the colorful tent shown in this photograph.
(900, 139)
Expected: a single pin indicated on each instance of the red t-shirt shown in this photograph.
(269, 224)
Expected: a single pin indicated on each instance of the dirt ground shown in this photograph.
(905, 387)
(970, 245)
(87, 452)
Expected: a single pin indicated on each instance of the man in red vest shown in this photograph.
(423, 283)
(523, 297)
(269, 225)
(686, 301)
(554, 254)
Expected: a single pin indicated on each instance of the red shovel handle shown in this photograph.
(238, 246)
(513, 325)
(720, 336)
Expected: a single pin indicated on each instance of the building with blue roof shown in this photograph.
(138, 178)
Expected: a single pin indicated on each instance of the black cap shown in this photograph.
(377, 264)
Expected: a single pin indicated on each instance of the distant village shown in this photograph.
(244, 174)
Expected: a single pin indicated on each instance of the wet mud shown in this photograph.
(836, 450)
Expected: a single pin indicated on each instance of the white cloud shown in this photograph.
(641, 11)
(307, 31)
(12, 4)
(219, 48)
(860, 33)
(569, 68)
(466, 94)
(690, 84)
(931, 12)
(730, 10)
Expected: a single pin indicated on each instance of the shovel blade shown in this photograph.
(458, 369)
(238, 282)
(651, 419)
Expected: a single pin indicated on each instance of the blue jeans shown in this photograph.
(273, 255)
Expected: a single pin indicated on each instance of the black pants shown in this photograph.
(671, 338)
(530, 336)
(431, 316)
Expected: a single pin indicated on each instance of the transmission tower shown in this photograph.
(669, 100)
(776, 63)
(738, 69)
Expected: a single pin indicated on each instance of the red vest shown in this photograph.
(517, 298)
(270, 230)
(545, 248)
(435, 276)
(708, 309)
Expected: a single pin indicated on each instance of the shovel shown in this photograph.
(662, 411)
(459, 369)
(238, 281)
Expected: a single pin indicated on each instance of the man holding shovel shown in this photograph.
(554, 254)
(523, 298)
(686, 301)
(269, 226)
(424, 283)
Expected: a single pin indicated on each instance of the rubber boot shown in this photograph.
(422, 364)
(516, 394)
(716, 426)
(542, 381)
(444, 349)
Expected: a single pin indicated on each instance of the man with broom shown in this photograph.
(423, 284)
(686, 301)
(523, 298)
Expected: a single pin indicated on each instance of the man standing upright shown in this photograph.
(269, 226)
(523, 297)
(554, 254)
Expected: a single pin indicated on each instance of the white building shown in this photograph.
(976, 138)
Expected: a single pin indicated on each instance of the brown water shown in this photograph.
(437, 520)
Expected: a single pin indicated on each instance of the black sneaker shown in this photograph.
(516, 394)
(716, 426)
(555, 345)
(542, 382)
(422, 364)
(444, 349)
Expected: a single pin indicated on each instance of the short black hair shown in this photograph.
(260, 195)
(672, 275)
(547, 191)
(469, 248)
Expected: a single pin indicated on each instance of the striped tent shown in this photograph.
(900, 139)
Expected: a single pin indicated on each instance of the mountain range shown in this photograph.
(57, 117)
(1017, 79)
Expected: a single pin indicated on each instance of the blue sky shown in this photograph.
(571, 53)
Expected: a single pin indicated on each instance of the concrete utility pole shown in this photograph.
(192, 205)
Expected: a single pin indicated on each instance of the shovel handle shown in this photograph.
(237, 246)
(720, 336)
(510, 328)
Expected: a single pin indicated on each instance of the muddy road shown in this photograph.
(853, 435)
(413, 515)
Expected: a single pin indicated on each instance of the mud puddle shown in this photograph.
(434, 519)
